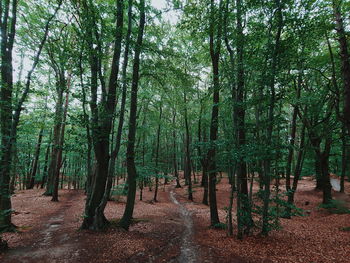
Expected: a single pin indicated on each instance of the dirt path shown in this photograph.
(51, 243)
(188, 250)
(165, 232)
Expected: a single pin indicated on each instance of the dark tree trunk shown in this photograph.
(44, 178)
(187, 153)
(130, 154)
(102, 117)
(61, 143)
(290, 191)
(157, 153)
(8, 30)
(345, 60)
(215, 46)
(244, 218)
(297, 173)
(269, 132)
(115, 152)
(344, 162)
(51, 175)
(176, 172)
(36, 159)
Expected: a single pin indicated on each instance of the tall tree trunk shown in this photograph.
(89, 177)
(345, 60)
(176, 172)
(187, 152)
(36, 159)
(44, 178)
(102, 117)
(344, 160)
(297, 173)
(130, 154)
(291, 148)
(51, 175)
(8, 30)
(157, 153)
(269, 132)
(215, 46)
(244, 218)
(61, 142)
(115, 152)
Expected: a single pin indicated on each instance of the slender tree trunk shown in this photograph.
(187, 152)
(36, 159)
(132, 175)
(344, 160)
(44, 178)
(51, 175)
(269, 132)
(297, 173)
(61, 142)
(115, 152)
(244, 218)
(102, 117)
(176, 172)
(215, 46)
(157, 153)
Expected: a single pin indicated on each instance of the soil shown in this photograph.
(171, 230)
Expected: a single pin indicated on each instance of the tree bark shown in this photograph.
(176, 172)
(36, 159)
(157, 153)
(130, 154)
(345, 60)
(61, 142)
(215, 46)
(267, 163)
(102, 117)
(187, 153)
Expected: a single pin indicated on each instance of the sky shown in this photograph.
(171, 15)
(160, 4)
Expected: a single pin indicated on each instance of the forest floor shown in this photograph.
(171, 230)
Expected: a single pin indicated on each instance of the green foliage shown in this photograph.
(220, 226)
(346, 229)
(120, 190)
(336, 207)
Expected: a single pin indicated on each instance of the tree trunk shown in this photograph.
(44, 178)
(215, 46)
(102, 117)
(115, 152)
(8, 30)
(297, 173)
(61, 142)
(267, 163)
(344, 160)
(345, 60)
(157, 153)
(187, 153)
(129, 208)
(51, 175)
(176, 172)
(244, 218)
(36, 159)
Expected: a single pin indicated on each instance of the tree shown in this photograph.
(130, 154)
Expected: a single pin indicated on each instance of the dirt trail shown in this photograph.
(52, 244)
(189, 251)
